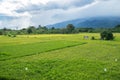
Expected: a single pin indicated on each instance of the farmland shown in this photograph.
(59, 57)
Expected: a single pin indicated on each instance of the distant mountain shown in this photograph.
(94, 22)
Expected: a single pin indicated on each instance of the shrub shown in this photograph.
(14, 35)
(11, 35)
(107, 35)
(92, 38)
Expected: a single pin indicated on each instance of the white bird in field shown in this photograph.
(116, 60)
(105, 69)
(26, 68)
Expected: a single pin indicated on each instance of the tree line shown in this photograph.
(70, 28)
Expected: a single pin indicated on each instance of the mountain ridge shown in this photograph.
(92, 22)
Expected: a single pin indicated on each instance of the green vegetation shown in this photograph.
(33, 48)
(106, 35)
(59, 57)
(70, 28)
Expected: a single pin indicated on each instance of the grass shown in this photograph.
(59, 57)
(15, 51)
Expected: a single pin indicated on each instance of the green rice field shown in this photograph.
(59, 57)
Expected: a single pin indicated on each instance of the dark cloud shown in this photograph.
(72, 3)
(82, 2)
(4, 17)
(55, 5)
(31, 7)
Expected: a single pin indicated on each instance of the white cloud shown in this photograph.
(40, 1)
(9, 7)
(34, 12)
(0, 23)
(17, 22)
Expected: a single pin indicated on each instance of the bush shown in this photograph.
(11, 35)
(107, 35)
(92, 38)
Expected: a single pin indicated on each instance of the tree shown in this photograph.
(63, 31)
(107, 35)
(39, 27)
(117, 26)
(45, 28)
(52, 28)
(31, 29)
(1, 32)
(70, 28)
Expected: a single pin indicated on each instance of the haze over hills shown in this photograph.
(93, 22)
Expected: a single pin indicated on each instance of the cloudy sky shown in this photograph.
(23, 13)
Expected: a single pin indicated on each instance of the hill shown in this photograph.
(93, 22)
